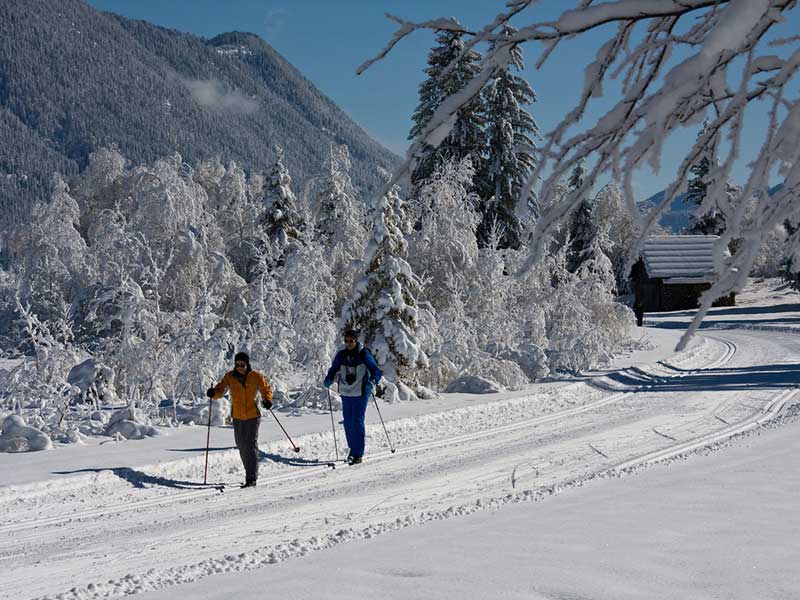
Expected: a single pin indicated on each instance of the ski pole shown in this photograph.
(392, 448)
(208, 442)
(333, 427)
(295, 447)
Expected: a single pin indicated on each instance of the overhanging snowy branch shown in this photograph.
(659, 96)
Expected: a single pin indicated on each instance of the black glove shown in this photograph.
(267, 404)
(210, 392)
(379, 390)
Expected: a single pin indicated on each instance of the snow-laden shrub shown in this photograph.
(405, 393)
(529, 357)
(473, 384)
(198, 414)
(94, 425)
(38, 385)
(505, 373)
(771, 255)
(17, 436)
(131, 430)
(280, 393)
(424, 393)
(440, 371)
(95, 382)
(130, 423)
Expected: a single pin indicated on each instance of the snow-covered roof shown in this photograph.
(680, 258)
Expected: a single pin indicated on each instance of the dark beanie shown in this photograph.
(243, 356)
(351, 333)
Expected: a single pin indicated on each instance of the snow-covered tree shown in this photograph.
(383, 305)
(340, 219)
(307, 278)
(511, 133)
(727, 66)
(50, 255)
(771, 257)
(450, 67)
(488, 305)
(791, 267)
(445, 243)
(616, 231)
(235, 212)
(282, 219)
(582, 229)
(707, 218)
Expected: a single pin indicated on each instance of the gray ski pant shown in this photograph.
(245, 433)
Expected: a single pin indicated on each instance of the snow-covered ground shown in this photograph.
(455, 512)
(723, 525)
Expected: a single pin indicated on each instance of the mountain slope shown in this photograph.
(73, 79)
(678, 216)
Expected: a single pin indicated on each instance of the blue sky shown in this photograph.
(327, 40)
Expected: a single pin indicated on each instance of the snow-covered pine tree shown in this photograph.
(791, 267)
(582, 230)
(511, 133)
(339, 221)
(707, 220)
(467, 136)
(282, 219)
(383, 305)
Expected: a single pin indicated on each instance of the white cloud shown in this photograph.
(212, 94)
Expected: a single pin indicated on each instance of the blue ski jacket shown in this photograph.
(355, 372)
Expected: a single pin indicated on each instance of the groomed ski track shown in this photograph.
(109, 533)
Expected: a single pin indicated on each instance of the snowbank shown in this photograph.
(130, 423)
(473, 384)
(17, 436)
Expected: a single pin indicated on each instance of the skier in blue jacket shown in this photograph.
(355, 371)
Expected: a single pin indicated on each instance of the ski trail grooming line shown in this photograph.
(293, 476)
(312, 471)
(769, 412)
(282, 552)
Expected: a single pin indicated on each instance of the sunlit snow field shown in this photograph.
(666, 476)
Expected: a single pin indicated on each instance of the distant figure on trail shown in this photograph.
(355, 371)
(243, 383)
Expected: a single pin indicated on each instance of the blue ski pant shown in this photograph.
(353, 410)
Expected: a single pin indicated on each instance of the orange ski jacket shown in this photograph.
(243, 397)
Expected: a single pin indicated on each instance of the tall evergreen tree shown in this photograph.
(582, 229)
(791, 266)
(467, 137)
(340, 221)
(383, 304)
(282, 219)
(511, 132)
(709, 221)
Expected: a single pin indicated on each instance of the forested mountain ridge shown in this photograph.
(73, 79)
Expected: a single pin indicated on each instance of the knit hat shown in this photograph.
(351, 333)
(242, 356)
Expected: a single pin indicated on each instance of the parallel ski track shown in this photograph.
(648, 381)
(774, 408)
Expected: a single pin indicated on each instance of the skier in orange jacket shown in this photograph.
(243, 383)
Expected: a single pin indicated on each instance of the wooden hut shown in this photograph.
(673, 271)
